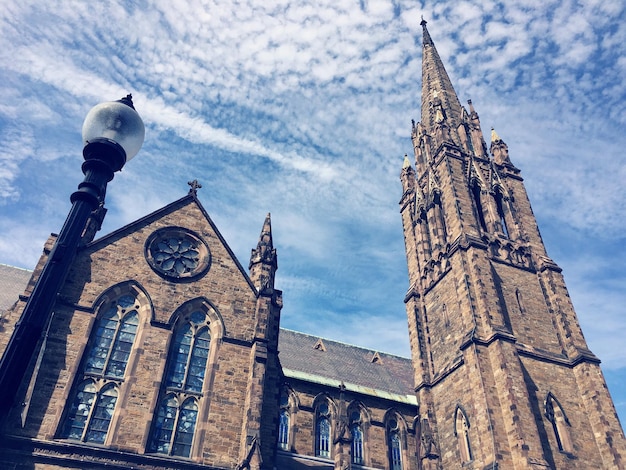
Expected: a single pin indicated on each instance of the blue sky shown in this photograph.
(303, 109)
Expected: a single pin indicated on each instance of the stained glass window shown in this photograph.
(175, 423)
(357, 444)
(322, 441)
(395, 445)
(89, 416)
(86, 422)
(113, 339)
(175, 426)
(189, 355)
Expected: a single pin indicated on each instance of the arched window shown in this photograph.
(322, 430)
(476, 194)
(175, 423)
(394, 444)
(357, 421)
(113, 339)
(461, 431)
(560, 423)
(89, 416)
(93, 404)
(499, 198)
(189, 354)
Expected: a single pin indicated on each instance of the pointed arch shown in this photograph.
(174, 428)
(395, 429)
(120, 312)
(196, 327)
(461, 432)
(560, 424)
(288, 407)
(358, 422)
(476, 190)
(215, 320)
(502, 210)
(325, 411)
(130, 287)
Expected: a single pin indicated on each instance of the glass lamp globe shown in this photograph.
(115, 122)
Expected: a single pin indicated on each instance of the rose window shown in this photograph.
(177, 253)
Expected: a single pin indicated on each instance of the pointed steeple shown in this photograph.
(439, 100)
(263, 262)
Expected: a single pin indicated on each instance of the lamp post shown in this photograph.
(113, 133)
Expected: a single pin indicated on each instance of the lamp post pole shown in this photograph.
(113, 133)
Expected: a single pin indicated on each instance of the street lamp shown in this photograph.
(113, 133)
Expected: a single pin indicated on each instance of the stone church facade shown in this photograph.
(164, 352)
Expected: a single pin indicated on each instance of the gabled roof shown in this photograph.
(190, 198)
(361, 370)
(13, 282)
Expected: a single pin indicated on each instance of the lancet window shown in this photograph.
(176, 416)
(461, 431)
(323, 417)
(357, 421)
(476, 191)
(91, 409)
(394, 443)
(560, 424)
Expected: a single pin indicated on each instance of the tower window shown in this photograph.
(322, 431)
(461, 431)
(500, 209)
(560, 424)
(476, 190)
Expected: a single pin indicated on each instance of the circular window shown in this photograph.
(177, 253)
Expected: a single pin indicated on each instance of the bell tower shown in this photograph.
(503, 375)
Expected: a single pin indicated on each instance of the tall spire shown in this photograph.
(439, 100)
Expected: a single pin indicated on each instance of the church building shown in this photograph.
(164, 352)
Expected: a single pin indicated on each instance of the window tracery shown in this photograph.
(323, 429)
(394, 443)
(356, 430)
(175, 423)
(90, 412)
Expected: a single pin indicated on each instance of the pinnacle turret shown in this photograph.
(263, 262)
(499, 149)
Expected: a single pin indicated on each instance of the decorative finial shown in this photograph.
(494, 135)
(195, 185)
(423, 22)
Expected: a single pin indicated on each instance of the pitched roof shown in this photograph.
(328, 362)
(13, 282)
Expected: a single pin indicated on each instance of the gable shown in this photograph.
(175, 254)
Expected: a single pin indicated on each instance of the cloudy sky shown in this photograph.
(303, 109)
